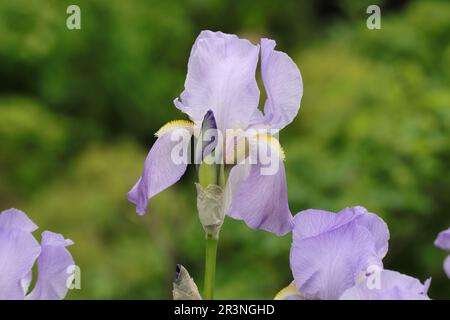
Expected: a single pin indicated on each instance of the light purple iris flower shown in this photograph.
(443, 242)
(221, 80)
(337, 253)
(18, 253)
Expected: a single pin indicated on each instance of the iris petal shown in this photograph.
(283, 85)
(18, 252)
(258, 193)
(391, 285)
(325, 265)
(376, 226)
(221, 78)
(16, 219)
(330, 251)
(260, 200)
(447, 266)
(443, 240)
(165, 164)
(53, 267)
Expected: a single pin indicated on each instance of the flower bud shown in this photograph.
(184, 287)
(210, 206)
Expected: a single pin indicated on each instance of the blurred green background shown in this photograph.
(78, 110)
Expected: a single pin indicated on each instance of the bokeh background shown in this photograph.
(78, 110)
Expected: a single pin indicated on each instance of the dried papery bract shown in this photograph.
(184, 287)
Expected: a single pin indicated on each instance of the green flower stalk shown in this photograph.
(210, 205)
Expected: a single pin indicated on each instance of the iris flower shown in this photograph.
(18, 252)
(443, 242)
(339, 256)
(221, 85)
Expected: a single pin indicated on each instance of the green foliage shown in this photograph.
(32, 141)
(374, 131)
(78, 110)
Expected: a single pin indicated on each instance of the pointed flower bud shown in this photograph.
(184, 287)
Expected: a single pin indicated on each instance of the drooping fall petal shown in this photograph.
(258, 192)
(165, 164)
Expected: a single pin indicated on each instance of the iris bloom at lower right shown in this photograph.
(340, 256)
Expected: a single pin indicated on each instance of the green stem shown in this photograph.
(210, 267)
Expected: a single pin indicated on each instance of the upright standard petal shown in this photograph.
(314, 222)
(261, 199)
(310, 223)
(326, 265)
(221, 78)
(54, 268)
(283, 85)
(388, 285)
(16, 219)
(376, 226)
(208, 34)
(18, 252)
(165, 164)
(329, 251)
(443, 240)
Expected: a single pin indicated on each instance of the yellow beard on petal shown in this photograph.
(273, 143)
(175, 124)
(287, 292)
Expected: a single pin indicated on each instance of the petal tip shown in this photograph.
(16, 219)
